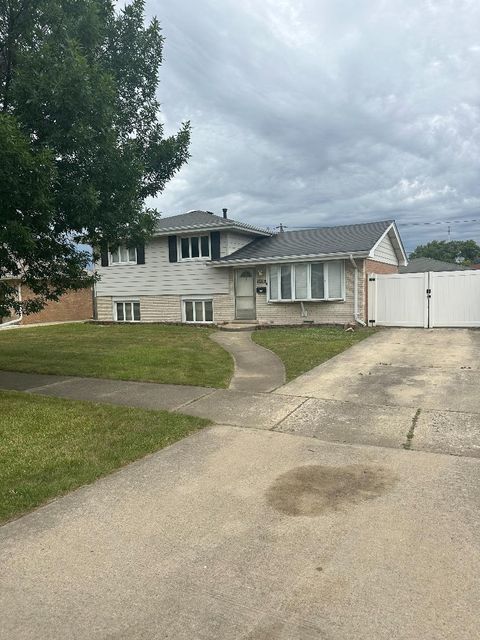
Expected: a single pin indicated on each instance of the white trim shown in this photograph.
(254, 231)
(199, 298)
(392, 227)
(189, 236)
(326, 298)
(124, 301)
(313, 257)
(119, 264)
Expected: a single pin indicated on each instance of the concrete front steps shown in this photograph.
(239, 325)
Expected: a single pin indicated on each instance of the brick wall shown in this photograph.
(73, 305)
(373, 266)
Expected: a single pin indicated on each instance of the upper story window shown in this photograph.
(123, 255)
(195, 247)
(307, 281)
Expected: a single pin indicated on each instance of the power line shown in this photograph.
(399, 224)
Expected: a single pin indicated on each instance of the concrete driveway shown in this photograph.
(402, 387)
(277, 532)
(241, 534)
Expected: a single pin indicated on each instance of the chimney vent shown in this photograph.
(224, 212)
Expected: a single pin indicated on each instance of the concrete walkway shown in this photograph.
(223, 406)
(256, 369)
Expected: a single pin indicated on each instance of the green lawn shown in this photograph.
(50, 446)
(303, 348)
(155, 353)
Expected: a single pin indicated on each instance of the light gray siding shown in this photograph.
(160, 277)
(385, 252)
(233, 241)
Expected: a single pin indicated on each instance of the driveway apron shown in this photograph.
(401, 387)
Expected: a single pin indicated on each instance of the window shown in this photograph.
(123, 255)
(307, 281)
(195, 247)
(198, 310)
(317, 281)
(128, 311)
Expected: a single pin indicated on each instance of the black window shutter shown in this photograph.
(172, 249)
(141, 254)
(104, 257)
(215, 244)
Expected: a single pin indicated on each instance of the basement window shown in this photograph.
(127, 311)
(198, 310)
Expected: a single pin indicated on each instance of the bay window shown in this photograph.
(307, 281)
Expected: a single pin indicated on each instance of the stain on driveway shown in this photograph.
(314, 489)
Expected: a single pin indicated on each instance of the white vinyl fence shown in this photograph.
(433, 299)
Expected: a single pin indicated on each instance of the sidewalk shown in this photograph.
(223, 406)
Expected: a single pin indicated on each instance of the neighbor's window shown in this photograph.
(123, 255)
(127, 311)
(192, 247)
(198, 310)
(307, 281)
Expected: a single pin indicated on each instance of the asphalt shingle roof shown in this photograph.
(350, 238)
(422, 265)
(202, 220)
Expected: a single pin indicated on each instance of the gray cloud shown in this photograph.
(313, 112)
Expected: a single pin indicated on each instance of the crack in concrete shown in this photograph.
(408, 442)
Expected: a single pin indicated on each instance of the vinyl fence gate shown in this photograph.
(433, 299)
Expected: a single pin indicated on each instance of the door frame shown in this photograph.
(254, 297)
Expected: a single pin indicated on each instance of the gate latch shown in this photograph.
(429, 293)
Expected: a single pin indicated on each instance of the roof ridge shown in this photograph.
(341, 226)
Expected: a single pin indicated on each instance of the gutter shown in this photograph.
(10, 323)
(355, 293)
(287, 259)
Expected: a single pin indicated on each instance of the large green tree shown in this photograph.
(463, 252)
(81, 142)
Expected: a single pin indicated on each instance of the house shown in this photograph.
(423, 265)
(72, 306)
(201, 268)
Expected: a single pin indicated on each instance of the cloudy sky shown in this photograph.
(318, 112)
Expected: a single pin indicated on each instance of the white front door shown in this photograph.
(245, 294)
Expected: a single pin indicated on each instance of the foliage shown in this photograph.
(81, 143)
(302, 348)
(49, 446)
(172, 354)
(463, 252)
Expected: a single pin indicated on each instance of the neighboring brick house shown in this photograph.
(200, 267)
(73, 305)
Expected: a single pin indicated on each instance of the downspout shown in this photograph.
(15, 320)
(355, 293)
